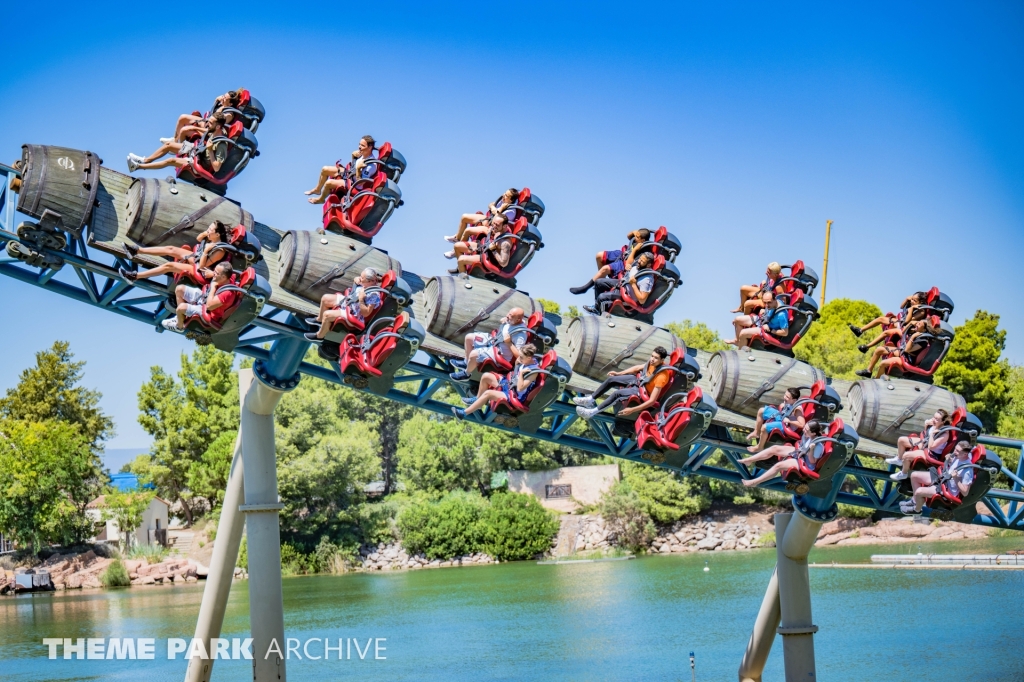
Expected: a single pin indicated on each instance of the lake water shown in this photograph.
(620, 620)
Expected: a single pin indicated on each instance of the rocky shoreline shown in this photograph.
(83, 571)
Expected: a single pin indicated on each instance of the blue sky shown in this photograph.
(742, 127)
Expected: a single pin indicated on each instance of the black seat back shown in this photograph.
(384, 204)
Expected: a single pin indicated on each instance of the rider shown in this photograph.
(638, 278)
(906, 312)
(771, 418)
(189, 126)
(355, 306)
(476, 223)
(614, 263)
(333, 178)
(628, 381)
(471, 253)
(935, 440)
(750, 294)
(789, 455)
(519, 382)
(196, 262)
(194, 302)
(908, 342)
(506, 341)
(926, 484)
(770, 320)
(210, 152)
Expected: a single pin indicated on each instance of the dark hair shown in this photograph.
(793, 393)
(814, 426)
(528, 349)
(515, 194)
(643, 233)
(368, 139)
(218, 118)
(662, 353)
(221, 229)
(945, 415)
(500, 218)
(223, 268)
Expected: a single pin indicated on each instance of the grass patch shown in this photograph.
(766, 539)
(1003, 533)
(116, 575)
(605, 553)
(152, 554)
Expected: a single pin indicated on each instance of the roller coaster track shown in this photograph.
(95, 281)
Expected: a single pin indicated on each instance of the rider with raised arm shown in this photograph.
(196, 262)
(771, 419)
(508, 338)
(638, 278)
(352, 309)
(471, 253)
(909, 340)
(210, 152)
(906, 313)
(333, 178)
(519, 382)
(935, 440)
(788, 455)
(627, 384)
(750, 294)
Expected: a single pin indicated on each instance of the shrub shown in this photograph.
(243, 554)
(329, 557)
(516, 527)
(666, 497)
(767, 539)
(116, 575)
(443, 529)
(624, 513)
(293, 561)
(153, 554)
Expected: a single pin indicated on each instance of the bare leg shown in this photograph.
(164, 269)
(468, 345)
(327, 301)
(483, 399)
(467, 262)
(783, 450)
(181, 315)
(185, 120)
(164, 163)
(746, 335)
(757, 424)
(163, 150)
(761, 441)
(467, 220)
(328, 187)
(473, 360)
(325, 172)
(746, 291)
(777, 469)
(179, 294)
(165, 251)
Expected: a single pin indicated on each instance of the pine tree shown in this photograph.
(973, 367)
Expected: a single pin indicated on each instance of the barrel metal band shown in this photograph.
(798, 631)
(261, 508)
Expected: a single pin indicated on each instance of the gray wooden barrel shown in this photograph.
(162, 213)
(597, 345)
(310, 268)
(456, 306)
(62, 180)
(885, 410)
(742, 381)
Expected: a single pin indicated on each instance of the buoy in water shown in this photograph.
(706, 569)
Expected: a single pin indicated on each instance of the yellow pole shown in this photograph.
(824, 270)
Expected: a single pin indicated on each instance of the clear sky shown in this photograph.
(740, 126)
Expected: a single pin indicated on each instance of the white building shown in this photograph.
(154, 519)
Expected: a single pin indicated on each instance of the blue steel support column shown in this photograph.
(279, 373)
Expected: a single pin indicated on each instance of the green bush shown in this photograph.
(516, 527)
(153, 554)
(293, 561)
(116, 575)
(666, 497)
(243, 554)
(624, 513)
(443, 529)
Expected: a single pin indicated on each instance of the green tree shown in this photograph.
(47, 476)
(321, 485)
(208, 478)
(665, 496)
(185, 416)
(440, 455)
(697, 335)
(126, 509)
(974, 369)
(829, 344)
(1011, 421)
(50, 391)
(517, 527)
(624, 513)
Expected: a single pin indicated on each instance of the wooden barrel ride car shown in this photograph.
(162, 213)
(60, 180)
(596, 345)
(743, 381)
(456, 306)
(311, 268)
(883, 410)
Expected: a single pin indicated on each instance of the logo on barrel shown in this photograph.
(66, 163)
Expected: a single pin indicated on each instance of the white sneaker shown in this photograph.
(586, 412)
(449, 254)
(894, 461)
(166, 140)
(451, 239)
(584, 400)
(171, 324)
(133, 165)
(899, 476)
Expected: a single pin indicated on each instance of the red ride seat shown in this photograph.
(661, 431)
(242, 147)
(375, 346)
(539, 331)
(213, 320)
(804, 472)
(923, 363)
(525, 243)
(666, 279)
(512, 402)
(355, 324)
(948, 497)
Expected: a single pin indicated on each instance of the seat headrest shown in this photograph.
(660, 234)
(388, 279)
(835, 427)
(520, 225)
(694, 397)
(659, 263)
(237, 234)
(384, 151)
(401, 321)
(245, 137)
(235, 129)
(247, 278)
(796, 268)
(535, 319)
(243, 97)
(977, 454)
(549, 359)
(933, 295)
(959, 414)
(524, 195)
(817, 388)
(676, 357)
